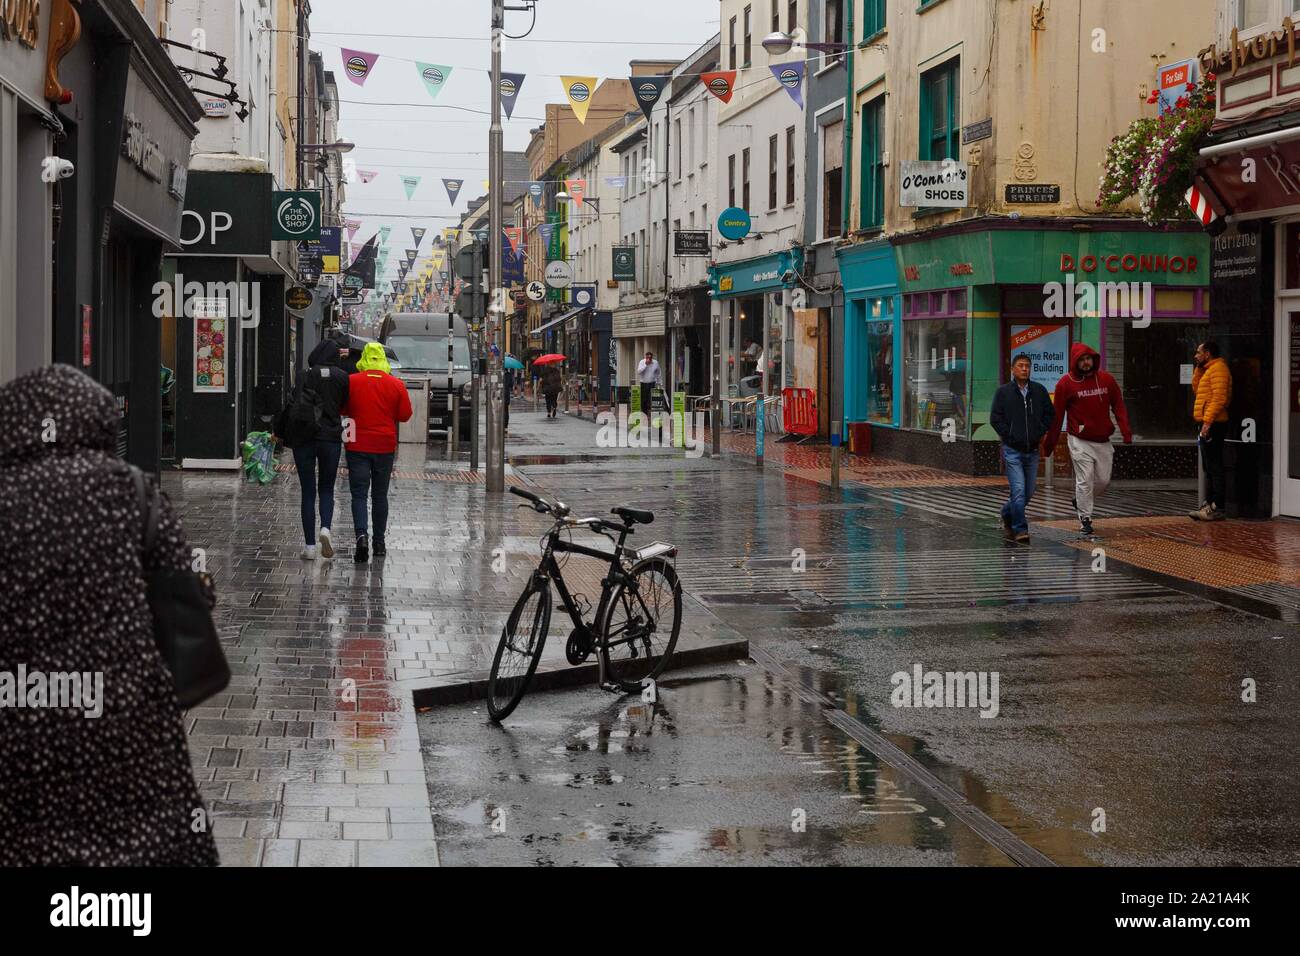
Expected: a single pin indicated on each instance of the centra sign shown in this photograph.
(21, 20)
(296, 215)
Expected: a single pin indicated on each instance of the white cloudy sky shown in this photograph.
(571, 37)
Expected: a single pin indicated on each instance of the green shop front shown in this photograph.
(973, 295)
(756, 327)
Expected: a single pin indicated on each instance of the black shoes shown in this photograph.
(381, 548)
(362, 553)
(1085, 526)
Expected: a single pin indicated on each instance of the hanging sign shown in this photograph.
(734, 223)
(295, 214)
(624, 264)
(535, 291)
(691, 243)
(559, 274)
(938, 185)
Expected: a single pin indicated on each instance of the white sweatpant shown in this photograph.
(1092, 462)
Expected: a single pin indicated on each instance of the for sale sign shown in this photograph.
(1173, 80)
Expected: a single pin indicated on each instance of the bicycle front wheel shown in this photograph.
(519, 650)
(642, 624)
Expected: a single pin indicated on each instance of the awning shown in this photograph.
(554, 322)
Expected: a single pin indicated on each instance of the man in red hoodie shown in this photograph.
(377, 402)
(1085, 397)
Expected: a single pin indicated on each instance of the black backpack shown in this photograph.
(301, 418)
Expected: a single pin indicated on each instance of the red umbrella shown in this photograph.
(548, 359)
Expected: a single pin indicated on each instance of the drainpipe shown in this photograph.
(846, 188)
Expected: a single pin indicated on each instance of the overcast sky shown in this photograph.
(571, 37)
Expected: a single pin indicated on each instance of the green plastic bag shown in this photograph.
(259, 457)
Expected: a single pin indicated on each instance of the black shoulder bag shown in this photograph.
(182, 622)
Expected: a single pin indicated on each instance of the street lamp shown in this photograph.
(779, 44)
(339, 147)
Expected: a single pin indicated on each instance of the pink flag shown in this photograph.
(367, 175)
(357, 65)
(516, 236)
(577, 188)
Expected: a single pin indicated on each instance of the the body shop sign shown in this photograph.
(296, 215)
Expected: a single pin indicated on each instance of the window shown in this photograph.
(934, 364)
(941, 112)
(749, 15)
(773, 164)
(677, 156)
(832, 164)
(872, 199)
(833, 29)
(744, 180)
(731, 181)
(792, 17)
(690, 129)
(880, 355)
(873, 18)
(789, 166)
(1253, 13)
(776, 16)
(731, 45)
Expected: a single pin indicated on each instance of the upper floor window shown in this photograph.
(776, 16)
(873, 17)
(833, 29)
(731, 44)
(873, 168)
(749, 16)
(792, 17)
(941, 111)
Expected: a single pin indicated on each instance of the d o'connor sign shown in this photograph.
(929, 184)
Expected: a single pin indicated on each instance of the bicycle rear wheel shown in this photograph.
(642, 623)
(519, 650)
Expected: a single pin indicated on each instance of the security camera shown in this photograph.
(789, 276)
(54, 168)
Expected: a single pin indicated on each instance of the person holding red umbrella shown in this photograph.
(552, 385)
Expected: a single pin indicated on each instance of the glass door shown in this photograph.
(1289, 409)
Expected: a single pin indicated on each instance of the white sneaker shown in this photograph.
(309, 553)
(326, 544)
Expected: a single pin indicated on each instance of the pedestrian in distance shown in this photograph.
(115, 789)
(311, 426)
(1085, 397)
(377, 403)
(506, 392)
(649, 376)
(1021, 415)
(1212, 386)
(552, 385)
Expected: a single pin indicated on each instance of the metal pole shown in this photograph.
(716, 404)
(302, 90)
(496, 477)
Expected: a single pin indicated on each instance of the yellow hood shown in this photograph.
(373, 359)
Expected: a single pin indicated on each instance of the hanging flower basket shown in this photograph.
(1155, 158)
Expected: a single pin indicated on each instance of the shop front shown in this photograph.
(755, 320)
(226, 332)
(636, 330)
(688, 341)
(872, 338)
(973, 297)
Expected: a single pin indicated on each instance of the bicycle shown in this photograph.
(628, 629)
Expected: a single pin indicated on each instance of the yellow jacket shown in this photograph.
(1212, 386)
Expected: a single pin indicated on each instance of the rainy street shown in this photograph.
(1119, 734)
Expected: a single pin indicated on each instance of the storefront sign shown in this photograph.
(977, 131)
(141, 149)
(214, 107)
(583, 297)
(298, 299)
(1130, 262)
(559, 274)
(1033, 193)
(1047, 347)
(20, 21)
(225, 214)
(624, 264)
(691, 243)
(939, 185)
(1260, 48)
(326, 252)
(734, 224)
(295, 214)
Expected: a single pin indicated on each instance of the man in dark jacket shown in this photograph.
(325, 384)
(1022, 414)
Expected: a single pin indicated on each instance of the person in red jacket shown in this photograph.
(1085, 397)
(377, 402)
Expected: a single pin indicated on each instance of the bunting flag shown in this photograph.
(410, 257)
(579, 90)
(617, 182)
(453, 187)
(648, 89)
(480, 235)
(434, 76)
(511, 84)
(412, 183)
(367, 176)
(577, 188)
(721, 84)
(515, 235)
(538, 193)
(418, 235)
(790, 75)
(357, 65)
(394, 284)
(384, 232)
(546, 230)
(450, 234)
(353, 225)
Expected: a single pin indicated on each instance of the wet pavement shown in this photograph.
(1120, 688)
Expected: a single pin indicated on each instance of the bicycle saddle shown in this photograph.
(634, 515)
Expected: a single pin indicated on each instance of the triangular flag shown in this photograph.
(579, 90)
(538, 192)
(453, 187)
(366, 175)
(546, 230)
(511, 84)
(357, 65)
(515, 235)
(418, 235)
(648, 89)
(353, 225)
(412, 183)
(410, 257)
(434, 76)
(721, 84)
(617, 182)
(577, 188)
(384, 232)
(487, 185)
(790, 75)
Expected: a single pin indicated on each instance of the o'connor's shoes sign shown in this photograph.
(21, 20)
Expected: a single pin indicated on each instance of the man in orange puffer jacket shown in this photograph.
(1212, 385)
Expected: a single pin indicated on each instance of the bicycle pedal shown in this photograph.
(611, 687)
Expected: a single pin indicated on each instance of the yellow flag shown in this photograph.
(579, 90)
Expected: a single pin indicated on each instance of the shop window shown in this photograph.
(1175, 300)
(934, 374)
(880, 355)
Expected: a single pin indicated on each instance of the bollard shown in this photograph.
(1200, 474)
(453, 433)
(835, 456)
(759, 428)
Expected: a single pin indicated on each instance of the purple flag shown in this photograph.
(358, 64)
(790, 75)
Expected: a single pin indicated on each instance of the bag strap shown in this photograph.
(148, 509)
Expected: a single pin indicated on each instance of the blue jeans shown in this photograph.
(307, 457)
(368, 472)
(1022, 476)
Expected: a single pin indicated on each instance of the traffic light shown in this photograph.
(470, 263)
